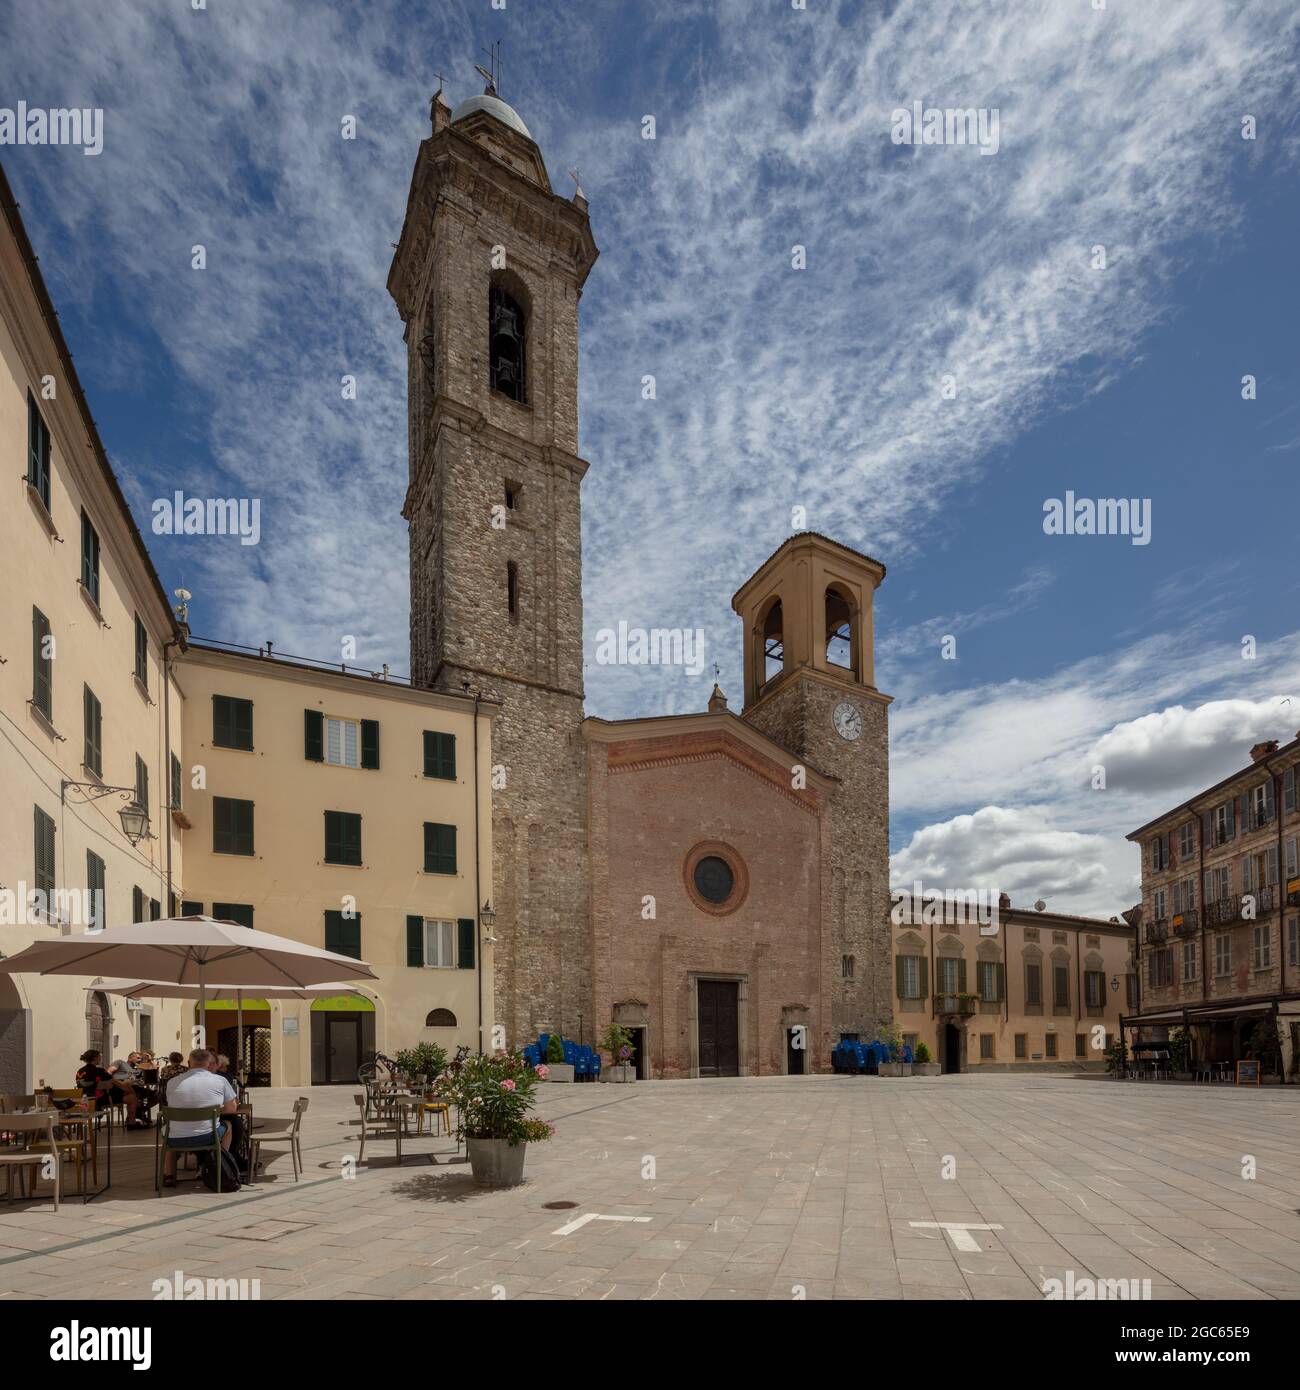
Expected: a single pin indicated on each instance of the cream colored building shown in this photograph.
(354, 814)
(84, 625)
(88, 643)
(1037, 994)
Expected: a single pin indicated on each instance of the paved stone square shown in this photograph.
(780, 1187)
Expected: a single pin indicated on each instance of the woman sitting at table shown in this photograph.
(98, 1085)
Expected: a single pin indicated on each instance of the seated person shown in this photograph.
(144, 1074)
(199, 1088)
(224, 1068)
(97, 1084)
(174, 1066)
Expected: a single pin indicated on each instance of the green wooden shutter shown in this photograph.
(42, 674)
(440, 755)
(176, 783)
(898, 976)
(189, 908)
(439, 848)
(137, 904)
(314, 735)
(44, 852)
(465, 951)
(343, 934)
(370, 743)
(961, 976)
(414, 940)
(333, 837)
(925, 978)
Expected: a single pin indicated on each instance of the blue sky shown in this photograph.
(776, 388)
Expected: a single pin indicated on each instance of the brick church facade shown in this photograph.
(716, 882)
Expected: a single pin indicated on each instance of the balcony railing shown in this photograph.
(1223, 912)
(963, 1005)
(1186, 923)
(1157, 931)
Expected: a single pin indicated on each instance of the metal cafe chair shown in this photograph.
(26, 1156)
(281, 1132)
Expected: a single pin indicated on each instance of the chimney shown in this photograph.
(717, 701)
(1262, 750)
(1004, 902)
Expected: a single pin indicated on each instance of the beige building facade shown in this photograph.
(1220, 916)
(354, 814)
(85, 706)
(1043, 991)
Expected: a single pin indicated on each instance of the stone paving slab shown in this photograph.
(763, 1188)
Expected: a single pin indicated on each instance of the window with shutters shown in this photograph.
(1293, 941)
(42, 665)
(176, 783)
(232, 826)
(142, 783)
(947, 975)
(232, 723)
(1061, 986)
(1050, 1048)
(239, 913)
(137, 903)
(439, 944)
(986, 1047)
(909, 977)
(93, 718)
(343, 934)
(439, 848)
(1261, 804)
(1033, 983)
(1292, 865)
(440, 755)
(1094, 989)
(191, 908)
(1223, 954)
(95, 889)
(1189, 960)
(141, 653)
(987, 975)
(1158, 905)
(1186, 841)
(1159, 853)
(1261, 946)
(89, 558)
(38, 452)
(1022, 1046)
(1288, 789)
(1224, 823)
(44, 847)
(343, 838)
(155, 910)
(1218, 884)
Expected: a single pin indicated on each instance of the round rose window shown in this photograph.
(714, 880)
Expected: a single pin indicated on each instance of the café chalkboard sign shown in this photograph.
(1248, 1073)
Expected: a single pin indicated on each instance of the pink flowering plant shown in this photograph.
(492, 1096)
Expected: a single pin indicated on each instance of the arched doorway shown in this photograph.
(99, 1020)
(951, 1048)
(342, 1037)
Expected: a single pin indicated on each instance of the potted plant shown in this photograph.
(424, 1059)
(1180, 1053)
(492, 1097)
(617, 1041)
(893, 1040)
(922, 1065)
(1265, 1043)
(557, 1068)
(1116, 1056)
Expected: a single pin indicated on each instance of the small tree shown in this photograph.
(617, 1041)
(922, 1053)
(1266, 1044)
(1116, 1054)
(1180, 1049)
(889, 1035)
(555, 1049)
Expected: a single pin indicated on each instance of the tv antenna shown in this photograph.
(183, 605)
(492, 73)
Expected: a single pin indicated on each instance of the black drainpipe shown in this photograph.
(478, 953)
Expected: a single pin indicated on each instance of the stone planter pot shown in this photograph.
(620, 1073)
(896, 1068)
(927, 1069)
(496, 1162)
(559, 1071)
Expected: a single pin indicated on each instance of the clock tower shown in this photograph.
(810, 685)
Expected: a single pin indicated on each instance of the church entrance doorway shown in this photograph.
(795, 1050)
(638, 1060)
(719, 1018)
(951, 1048)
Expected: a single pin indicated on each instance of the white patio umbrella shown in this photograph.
(220, 994)
(183, 950)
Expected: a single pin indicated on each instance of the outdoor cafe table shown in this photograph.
(402, 1105)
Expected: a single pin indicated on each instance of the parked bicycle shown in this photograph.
(379, 1068)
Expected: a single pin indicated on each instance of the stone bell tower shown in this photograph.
(487, 278)
(810, 685)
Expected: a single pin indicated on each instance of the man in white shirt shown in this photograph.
(199, 1088)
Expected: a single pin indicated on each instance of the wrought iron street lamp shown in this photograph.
(134, 817)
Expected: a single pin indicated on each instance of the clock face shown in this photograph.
(848, 721)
